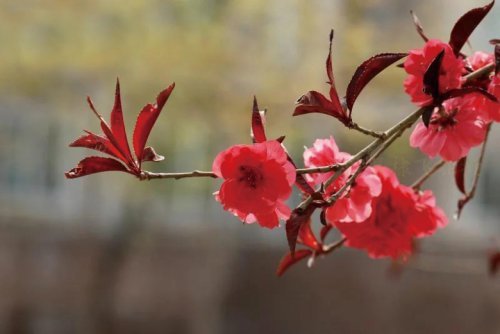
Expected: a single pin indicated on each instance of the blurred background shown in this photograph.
(109, 254)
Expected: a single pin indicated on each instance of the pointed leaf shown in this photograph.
(366, 72)
(418, 26)
(93, 165)
(300, 180)
(431, 76)
(150, 154)
(306, 236)
(108, 133)
(288, 260)
(96, 142)
(146, 119)
(258, 121)
(315, 102)
(427, 115)
(465, 26)
(293, 224)
(334, 96)
(118, 125)
(459, 174)
(329, 65)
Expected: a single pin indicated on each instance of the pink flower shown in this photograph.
(399, 215)
(355, 204)
(417, 63)
(480, 59)
(257, 180)
(451, 133)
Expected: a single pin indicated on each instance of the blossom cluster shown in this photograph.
(459, 123)
(366, 204)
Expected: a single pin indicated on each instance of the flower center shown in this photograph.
(250, 175)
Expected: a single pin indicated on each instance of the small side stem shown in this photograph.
(417, 184)
(472, 192)
(145, 175)
(333, 246)
(365, 131)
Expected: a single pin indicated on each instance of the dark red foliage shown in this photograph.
(146, 120)
(459, 174)
(258, 132)
(366, 72)
(114, 140)
(431, 76)
(315, 102)
(465, 26)
(290, 259)
(92, 165)
(298, 218)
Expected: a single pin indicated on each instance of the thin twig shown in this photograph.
(472, 192)
(145, 175)
(417, 184)
(365, 131)
(333, 246)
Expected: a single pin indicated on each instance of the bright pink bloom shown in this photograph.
(452, 133)
(479, 60)
(257, 180)
(399, 215)
(417, 63)
(355, 204)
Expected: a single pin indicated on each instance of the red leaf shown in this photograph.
(418, 26)
(465, 26)
(315, 102)
(493, 263)
(149, 154)
(118, 126)
(334, 96)
(258, 132)
(108, 133)
(431, 76)
(459, 174)
(145, 121)
(93, 165)
(288, 260)
(96, 142)
(307, 237)
(294, 223)
(366, 72)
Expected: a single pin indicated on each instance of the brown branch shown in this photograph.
(145, 175)
(365, 131)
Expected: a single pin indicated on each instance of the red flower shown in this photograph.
(418, 62)
(452, 133)
(258, 179)
(355, 204)
(399, 216)
(480, 59)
